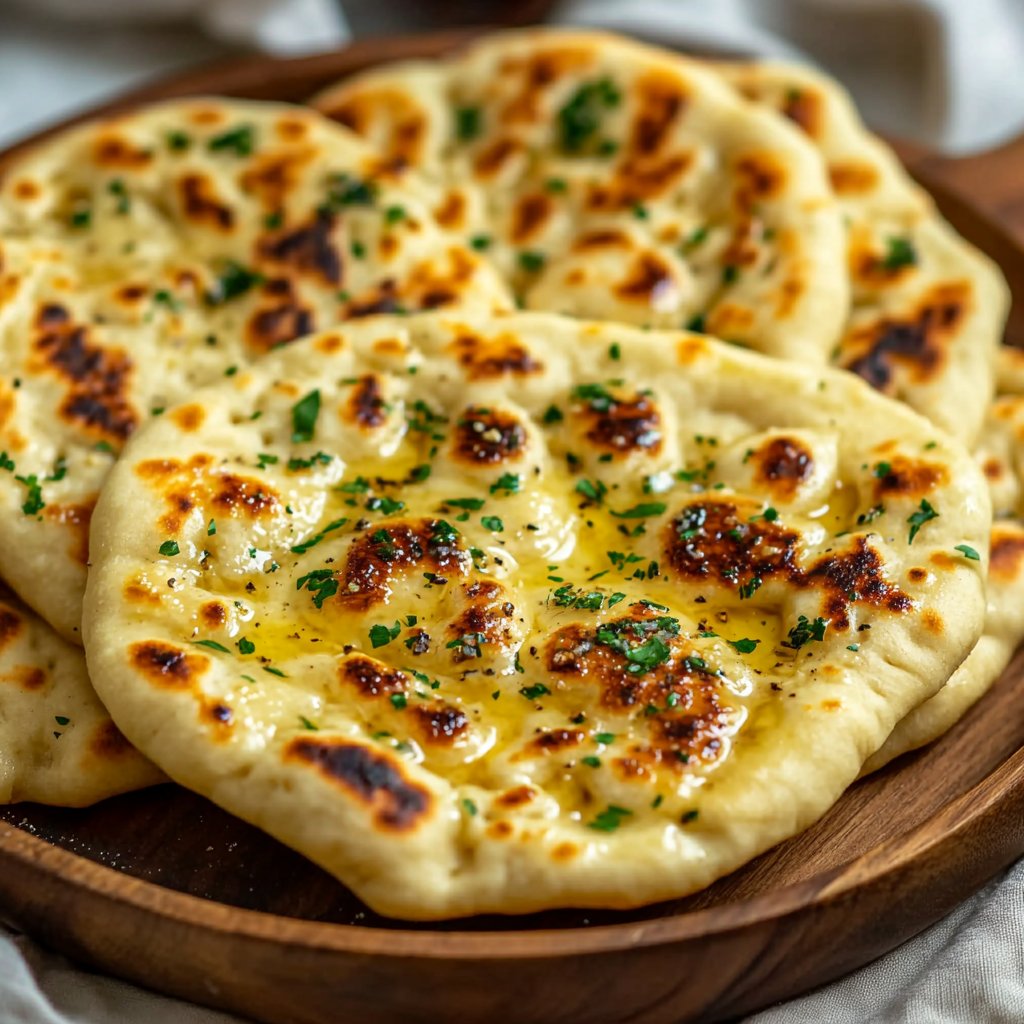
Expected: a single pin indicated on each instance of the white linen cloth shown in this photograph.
(947, 72)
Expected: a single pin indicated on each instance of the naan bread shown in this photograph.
(145, 255)
(529, 612)
(1001, 457)
(928, 308)
(57, 742)
(613, 180)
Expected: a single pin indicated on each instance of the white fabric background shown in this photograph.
(947, 72)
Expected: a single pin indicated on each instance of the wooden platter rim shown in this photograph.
(977, 803)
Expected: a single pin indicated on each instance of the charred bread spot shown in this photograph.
(451, 214)
(552, 741)
(648, 279)
(608, 238)
(917, 575)
(486, 436)
(408, 125)
(500, 830)
(994, 469)
(292, 127)
(272, 177)
(130, 294)
(310, 249)
(384, 299)
(207, 117)
(932, 621)
(114, 151)
(660, 100)
(492, 159)
(280, 318)
(189, 418)
(806, 109)
(76, 519)
(233, 493)
(366, 406)
(565, 852)
(852, 177)
(163, 664)
(908, 478)
(26, 189)
(503, 355)
(1006, 564)
(180, 504)
(530, 214)
(97, 379)
(856, 576)
(439, 723)
(28, 677)
(535, 74)
(714, 539)
(782, 465)
(108, 743)
(760, 176)
(137, 591)
(690, 351)
(373, 777)
(378, 557)
(217, 716)
(622, 425)
(636, 180)
(371, 678)
(519, 796)
(10, 625)
(213, 614)
(489, 617)
(201, 203)
(916, 343)
(433, 284)
(682, 691)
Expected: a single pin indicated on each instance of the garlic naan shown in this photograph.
(610, 179)
(928, 308)
(147, 254)
(521, 612)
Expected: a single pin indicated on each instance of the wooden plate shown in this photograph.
(162, 888)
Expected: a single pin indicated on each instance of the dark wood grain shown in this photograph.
(163, 888)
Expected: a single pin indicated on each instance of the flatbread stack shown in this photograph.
(486, 609)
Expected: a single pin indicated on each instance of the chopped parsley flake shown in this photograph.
(968, 552)
(381, 635)
(743, 646)
(492, 523)
(609, 819)
(924, 513)
(469, 807)
(900, 252)
(580, 117)
(302, 548)
(642, 511)
(471, 504)
(399, 701)
(468, 123)
(531, 261)
(240, 141)
(320, 583)
(169, 548)
(535, 691)
(805, 631)
(507, 482)
(304, 415)
(245, 646)
(233, 281)
(212, 644)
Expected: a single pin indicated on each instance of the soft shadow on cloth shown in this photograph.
(968, 967)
